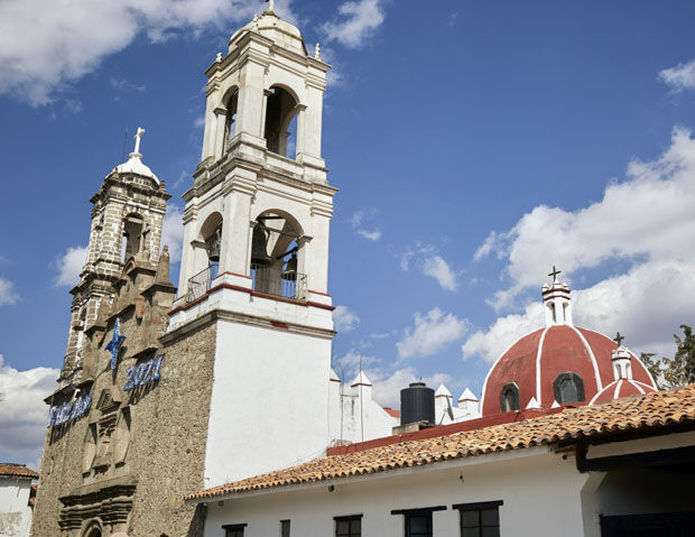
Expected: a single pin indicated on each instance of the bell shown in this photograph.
(213, 247)
(290, 272)
(259, 247)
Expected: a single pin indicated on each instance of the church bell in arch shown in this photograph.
(259, 247)
(212, 246)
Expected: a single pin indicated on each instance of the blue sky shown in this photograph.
(475, 144)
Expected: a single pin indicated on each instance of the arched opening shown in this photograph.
(509, 397)
(553, 312)
(568, 387)
(132, 236)
(277, 255)
(231, 105)
(207, 257)
(280, 122)
(93, 530)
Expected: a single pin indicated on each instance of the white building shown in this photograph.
(16, 499)
(620, 468)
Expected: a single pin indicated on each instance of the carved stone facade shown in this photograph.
(129, 419)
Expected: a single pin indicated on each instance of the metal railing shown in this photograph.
(272, 281)
(268, 280)
(199, 284)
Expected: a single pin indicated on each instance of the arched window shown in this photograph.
(132, 236)
(509, 397)
(568, 387)
(230, 123)
(281, 112)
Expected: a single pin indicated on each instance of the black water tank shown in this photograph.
(417, 403)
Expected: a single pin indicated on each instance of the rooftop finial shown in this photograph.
(271, 5)
(618, 339)
(554, 274)
(317, 52)
(137, 137)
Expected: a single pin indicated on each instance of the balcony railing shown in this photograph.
(199, 284)
(267, 280)
(272, 281)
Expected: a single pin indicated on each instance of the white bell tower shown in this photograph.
(255, 253)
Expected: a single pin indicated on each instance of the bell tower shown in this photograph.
(255, 252)
(127, 219)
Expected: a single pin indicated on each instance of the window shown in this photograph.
(479, 519)
(418, 525)
(418, 522)
(234, 530)
(568, 388)
(509, 397)
(348, 526)
(284, 528)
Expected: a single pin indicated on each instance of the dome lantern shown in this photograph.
(558, 305)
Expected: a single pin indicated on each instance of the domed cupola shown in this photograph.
(562, 364)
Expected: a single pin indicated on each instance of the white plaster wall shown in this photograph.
(15, 513)
(541, 495)
(269, 405)
(359, 408)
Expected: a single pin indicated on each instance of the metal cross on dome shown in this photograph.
(618, 339)
(554, 274)
(115, 344)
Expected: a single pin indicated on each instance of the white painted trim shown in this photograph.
(636, 386)
(617, 389)
(487, 377)
(597, 372)
(539, 355)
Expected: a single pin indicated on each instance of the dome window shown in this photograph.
(568, 388)
(509, 397)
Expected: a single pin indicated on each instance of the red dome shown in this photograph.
(537, 364)
(621, 388)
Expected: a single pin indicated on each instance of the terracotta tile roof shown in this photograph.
(651, 411)
(8, 469)
(393, 413)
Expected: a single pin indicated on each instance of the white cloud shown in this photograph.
(8, 295)
(47, 44)
(70, 265)
(24, 414)
(121, 84)
(440, 270)
(431, 332)
(647, 220)
(647, 216)
(432, 264)
(358, 221)
(387, 387)
(356, 22)
(679, 78)
(345, 320)
(172, 232)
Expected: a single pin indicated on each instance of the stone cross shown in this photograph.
(618, 339)
(554, 273)
(137, 137)
(115, 344)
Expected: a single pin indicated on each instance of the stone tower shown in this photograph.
(255, 253)
(127, 219)
(110, 413)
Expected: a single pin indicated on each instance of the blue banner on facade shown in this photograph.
(144, 373)
(69, 410)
